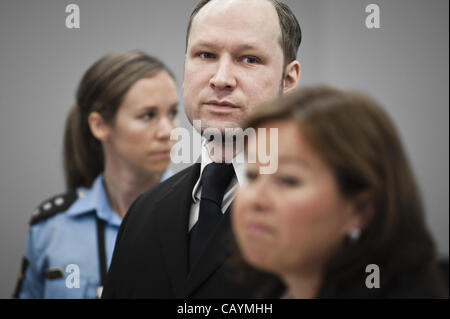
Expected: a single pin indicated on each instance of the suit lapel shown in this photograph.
(215, 253)
(173, 219)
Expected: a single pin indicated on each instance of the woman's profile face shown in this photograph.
(140, 134)
(293, 220)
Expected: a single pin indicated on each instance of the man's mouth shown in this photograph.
(219, 104)
(220, 107)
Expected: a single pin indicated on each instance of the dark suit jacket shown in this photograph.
(151, 257)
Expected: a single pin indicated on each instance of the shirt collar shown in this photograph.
(238, 165)
(94, 199)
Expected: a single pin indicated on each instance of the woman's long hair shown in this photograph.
(102, 89)
(356, 138)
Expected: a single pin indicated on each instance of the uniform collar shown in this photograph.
(94, 199)
(238, 165)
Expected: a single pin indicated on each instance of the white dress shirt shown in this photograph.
(239, 169)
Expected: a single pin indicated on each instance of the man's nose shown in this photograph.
(224, 78)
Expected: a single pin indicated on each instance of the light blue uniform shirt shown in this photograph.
(70, 238)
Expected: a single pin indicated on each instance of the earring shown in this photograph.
(354, 235)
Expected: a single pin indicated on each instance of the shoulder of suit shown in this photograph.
(53, 206)
(193, 171)
(168, 185)
(188, 170)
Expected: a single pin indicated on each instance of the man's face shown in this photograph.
(234, 61)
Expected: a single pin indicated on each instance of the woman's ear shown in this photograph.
(291, 76)
(362, 210)
(98, 127)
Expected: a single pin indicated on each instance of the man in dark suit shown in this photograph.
(175, 241)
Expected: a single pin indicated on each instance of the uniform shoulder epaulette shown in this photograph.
(53, 206)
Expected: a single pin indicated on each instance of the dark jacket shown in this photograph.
(151, 257)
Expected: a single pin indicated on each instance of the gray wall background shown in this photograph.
(404, 65)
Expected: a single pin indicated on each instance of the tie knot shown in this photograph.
(215, 179)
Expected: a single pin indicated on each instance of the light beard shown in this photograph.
(214, 126)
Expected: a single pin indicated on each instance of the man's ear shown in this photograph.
(98, 127)
(291, 76)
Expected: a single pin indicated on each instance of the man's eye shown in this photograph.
(206, 55)
(251, 60)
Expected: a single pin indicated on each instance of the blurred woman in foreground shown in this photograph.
(342, 215)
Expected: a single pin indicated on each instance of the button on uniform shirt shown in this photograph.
(60, 245)
(239, 169)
